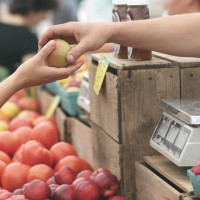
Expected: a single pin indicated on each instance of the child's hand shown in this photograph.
(34, 72)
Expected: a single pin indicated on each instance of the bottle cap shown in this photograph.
(120, 2)
(137, 2)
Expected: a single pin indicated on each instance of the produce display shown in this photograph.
(36, 165)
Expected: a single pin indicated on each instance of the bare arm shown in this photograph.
(177, 35)
(34, 72)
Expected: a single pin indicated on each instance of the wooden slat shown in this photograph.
(177, 175)
(107, 152)
(81, 139)
(125, 64)
(179, 61)
(104, 107)
(152, 187)
(141, 92)
(190, 82)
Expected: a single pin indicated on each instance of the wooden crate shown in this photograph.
(45, 100)
(189, 74)
(128, 108)
(80, 136)
(158, 177)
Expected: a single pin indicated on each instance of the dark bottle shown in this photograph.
(119, 15)
(138, 10)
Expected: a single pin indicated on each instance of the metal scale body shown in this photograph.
(177, 134)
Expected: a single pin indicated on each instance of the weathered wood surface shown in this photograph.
(141, 92)
(125, 64)
(152, 187)
(107, 152)
(104, 107)
(177, 175)
(179, 61)
(81, 139)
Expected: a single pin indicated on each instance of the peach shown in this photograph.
(58, 58)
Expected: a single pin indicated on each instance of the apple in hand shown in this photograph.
(64, 176)
(64, 192)
(196, 169)
(37, 190)
(58, 58)
(107, 183)
(86, 190)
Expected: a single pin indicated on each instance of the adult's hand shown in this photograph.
(86, 37)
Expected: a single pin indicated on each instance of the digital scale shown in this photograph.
(177, 134)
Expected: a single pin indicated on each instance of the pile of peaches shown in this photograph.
(36, 165)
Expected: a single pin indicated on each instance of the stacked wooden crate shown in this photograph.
(126, 112)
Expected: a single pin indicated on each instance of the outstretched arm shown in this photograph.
(177, 35)
(34, 72)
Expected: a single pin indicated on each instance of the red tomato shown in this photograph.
(41, 171)
(2, 166)
(14, 176)
(29, 103)
(73, 162)
(23, 134)
(45, 133)
(34, 153)
(28, 114)
(19, 122)
(42, 119)
(5, 157)
(61, 150)
(8, 142)
(18, 154)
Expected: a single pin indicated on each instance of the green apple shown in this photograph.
(58, 58)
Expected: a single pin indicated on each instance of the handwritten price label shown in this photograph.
(100, 74)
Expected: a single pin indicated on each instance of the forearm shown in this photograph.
(177, 35)
(7, 88)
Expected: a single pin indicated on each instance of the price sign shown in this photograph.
(100, 74)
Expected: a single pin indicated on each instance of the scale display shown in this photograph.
(177, 134)
(171, 136)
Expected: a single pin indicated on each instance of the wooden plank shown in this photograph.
(141, 92)
(190, 81)
(81, 139)
(179, 61)
(107, 152)
(104, 107)
(125, 64)
(152, 187)
(177, 175)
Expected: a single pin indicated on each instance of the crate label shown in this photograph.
(53, 106)
(100, 74)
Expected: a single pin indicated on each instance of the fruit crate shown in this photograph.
(69, 102)
(195, 180)
(52, 87)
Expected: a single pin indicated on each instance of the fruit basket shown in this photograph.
(69, 102)
(195, 180)
(52, 87)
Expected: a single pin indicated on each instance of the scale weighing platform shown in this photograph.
(177, 134)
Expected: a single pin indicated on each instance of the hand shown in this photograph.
(35, 72)
(86, 36)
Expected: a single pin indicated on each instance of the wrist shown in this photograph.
(15, 82)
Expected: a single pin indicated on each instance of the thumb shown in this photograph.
(77, 51)
(46, 50)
